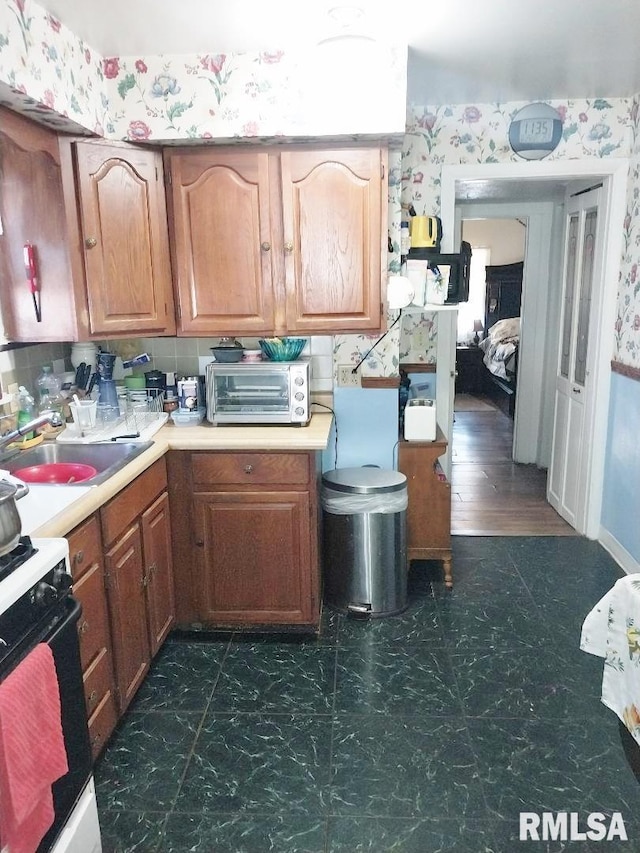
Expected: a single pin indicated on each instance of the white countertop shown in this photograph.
(55, 510)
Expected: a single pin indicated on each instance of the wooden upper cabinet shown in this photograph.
(222, 240)
(32, 210)
(277, 240)
(123, 238)
(332, 204)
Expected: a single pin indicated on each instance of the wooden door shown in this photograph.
(334, 235)
(255, 557)
(156, 543)
(32, 210)
(125, 239)
(127, 608)
(568, 472)
(222, 239)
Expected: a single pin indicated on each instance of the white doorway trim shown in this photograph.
(614, 172)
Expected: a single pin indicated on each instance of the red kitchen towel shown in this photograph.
(32, 751)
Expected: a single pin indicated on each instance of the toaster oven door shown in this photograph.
(249, 395)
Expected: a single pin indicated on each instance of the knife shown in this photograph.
(80, 376)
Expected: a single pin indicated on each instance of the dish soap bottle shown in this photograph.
(26, 410)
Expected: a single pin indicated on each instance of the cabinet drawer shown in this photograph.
(119, 513)
(282, 469)
(98, 681)
(85, 547)
(101, 723)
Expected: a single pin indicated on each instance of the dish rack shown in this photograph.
(140, 416)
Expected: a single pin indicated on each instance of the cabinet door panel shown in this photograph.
(221, 222)
(32, 209)
(156, 540)
(127, 608)
(332, 221)
(256, 562)
(93, 627)
(126, 248)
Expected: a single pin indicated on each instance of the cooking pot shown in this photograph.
(10, 523)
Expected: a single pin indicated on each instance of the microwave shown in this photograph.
(266, 392)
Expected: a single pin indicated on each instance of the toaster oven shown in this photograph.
(267, 392)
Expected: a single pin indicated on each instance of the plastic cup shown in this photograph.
(84, 413)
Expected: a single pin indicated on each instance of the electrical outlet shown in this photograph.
(347, 378)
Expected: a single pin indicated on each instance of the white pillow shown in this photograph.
(505, 329)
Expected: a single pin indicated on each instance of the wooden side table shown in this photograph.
(429, 510)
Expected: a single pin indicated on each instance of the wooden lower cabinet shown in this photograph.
(87, 569)
(121, 563)
(125, 588)
(249, 548)
(139, 573)
(429, 510)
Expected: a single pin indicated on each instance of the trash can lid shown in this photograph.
(364, 481)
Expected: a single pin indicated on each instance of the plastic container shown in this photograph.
(48, 386)
(26, 410)
(187, 417)
(365, 542)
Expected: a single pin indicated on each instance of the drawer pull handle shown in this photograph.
(84, 627)
(152, 570)
(78, 558)
(91, 242)
(248, 469)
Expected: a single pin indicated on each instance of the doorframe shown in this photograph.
(528, 431)
(614, 173)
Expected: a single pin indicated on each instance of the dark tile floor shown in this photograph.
(426, 733)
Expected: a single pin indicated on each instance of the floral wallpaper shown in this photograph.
(478, 133)
(48, 73)
(627, 327)
(45, 69)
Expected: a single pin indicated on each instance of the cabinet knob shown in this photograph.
(152, 570)
(90, 242)
(265, 246)
(84, 627)
(248, 469)
(288, 247)
(78, 557)
(96, 740)
(93, 696)
(200, 543)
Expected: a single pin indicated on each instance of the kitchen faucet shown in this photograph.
(53, 418)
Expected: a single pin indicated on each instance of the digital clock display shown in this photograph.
(535, 130)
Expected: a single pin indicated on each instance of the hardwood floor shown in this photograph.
(490, 494)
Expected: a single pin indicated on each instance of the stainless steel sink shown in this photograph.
(107, 459)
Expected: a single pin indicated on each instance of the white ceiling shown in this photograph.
(460, 51)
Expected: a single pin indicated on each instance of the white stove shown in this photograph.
(36, 606)
(16, 582)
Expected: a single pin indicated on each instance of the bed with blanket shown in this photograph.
(502, 333)
(500, 357)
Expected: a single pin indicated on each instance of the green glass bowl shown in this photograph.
(282, 349)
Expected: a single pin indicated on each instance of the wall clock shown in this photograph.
(535, 131)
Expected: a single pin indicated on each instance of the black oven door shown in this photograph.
(59, 631)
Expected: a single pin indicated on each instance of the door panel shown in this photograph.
(126, 247)
(569, 465)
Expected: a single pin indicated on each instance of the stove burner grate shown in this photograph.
(23, 551)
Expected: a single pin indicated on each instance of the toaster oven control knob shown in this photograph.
(44, 595)
(299, 380)
(299, 396)
(299, 411)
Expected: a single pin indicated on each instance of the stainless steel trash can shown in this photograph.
(364, 514)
